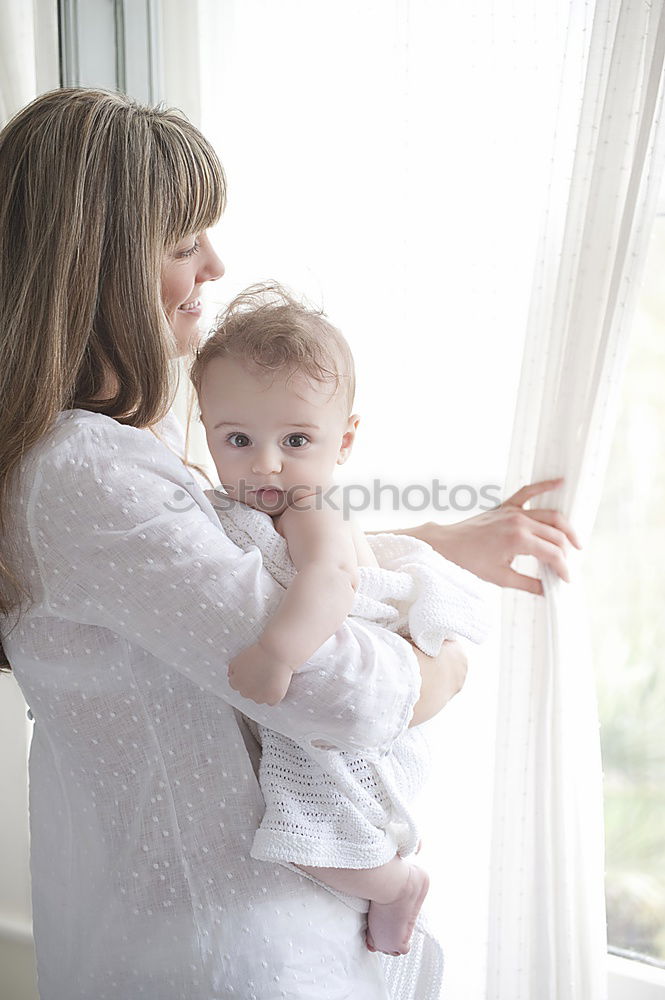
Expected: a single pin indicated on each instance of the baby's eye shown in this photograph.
(241, 440)
(296, 440)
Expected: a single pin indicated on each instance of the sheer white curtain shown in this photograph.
(393, 160)
(28, 52)
(547, 918)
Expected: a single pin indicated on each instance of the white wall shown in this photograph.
(14, 876)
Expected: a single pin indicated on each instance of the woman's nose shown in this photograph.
(210, 266)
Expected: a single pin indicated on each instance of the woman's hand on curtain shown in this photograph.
(487, 544)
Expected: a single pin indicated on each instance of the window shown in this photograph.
(625, 580)
(112, 44)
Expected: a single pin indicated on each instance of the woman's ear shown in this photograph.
(348, 438)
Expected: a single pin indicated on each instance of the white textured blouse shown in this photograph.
(144, 797)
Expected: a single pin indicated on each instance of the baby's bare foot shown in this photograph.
(390, 925)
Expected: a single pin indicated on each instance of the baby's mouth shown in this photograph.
(269, 495)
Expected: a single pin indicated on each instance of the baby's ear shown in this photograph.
(348, 438)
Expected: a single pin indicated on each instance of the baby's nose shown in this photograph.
(266, 462)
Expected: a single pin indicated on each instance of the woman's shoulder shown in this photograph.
(89, 452)
(98, 425)
(89, 473)
(84, 434)
(90, 429)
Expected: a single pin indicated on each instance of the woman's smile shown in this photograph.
(192, 307)
(185, 269)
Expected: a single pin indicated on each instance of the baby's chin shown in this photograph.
(275, 502)
(271, 505)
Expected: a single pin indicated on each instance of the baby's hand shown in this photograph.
(257, 675)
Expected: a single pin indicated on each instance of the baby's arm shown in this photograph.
(322, 549)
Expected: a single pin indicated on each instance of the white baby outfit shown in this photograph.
(326, 804)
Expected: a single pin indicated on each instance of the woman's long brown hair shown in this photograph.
(94, 189)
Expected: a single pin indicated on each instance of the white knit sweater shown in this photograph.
(327, 805)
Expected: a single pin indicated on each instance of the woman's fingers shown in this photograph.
(551, 526)
(557, 523)
(532, 490)
(546, 552)
(518, 581)
(553, 518)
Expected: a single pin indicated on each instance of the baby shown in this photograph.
(276, 387)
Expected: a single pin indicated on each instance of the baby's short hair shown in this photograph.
(264, 325)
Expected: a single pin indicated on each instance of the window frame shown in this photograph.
(113, 44)
(634, 979)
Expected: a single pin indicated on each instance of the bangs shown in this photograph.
(193, 188)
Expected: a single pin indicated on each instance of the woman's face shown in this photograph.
(184, 270)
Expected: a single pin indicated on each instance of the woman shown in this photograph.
(121, 605)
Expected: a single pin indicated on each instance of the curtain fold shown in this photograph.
(547, 928)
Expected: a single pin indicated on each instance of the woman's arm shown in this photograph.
(487, 544)
(442, 677)
(126, 542)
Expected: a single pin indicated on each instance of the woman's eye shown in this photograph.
(296, 440)
(192, 250)
(238, 440)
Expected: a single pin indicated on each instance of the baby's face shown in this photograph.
(273, 439)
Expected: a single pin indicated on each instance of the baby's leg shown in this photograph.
(395, 892)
